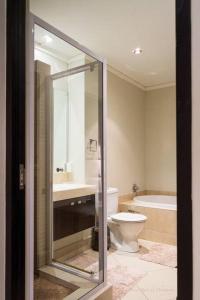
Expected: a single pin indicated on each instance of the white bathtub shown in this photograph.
(156, 201)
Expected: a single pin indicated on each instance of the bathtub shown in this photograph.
(156, 201)
(160, 211)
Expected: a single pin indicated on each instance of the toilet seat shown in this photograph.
(128, 217)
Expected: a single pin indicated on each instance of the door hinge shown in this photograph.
(21, 177)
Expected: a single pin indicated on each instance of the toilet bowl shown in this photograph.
(124, 226)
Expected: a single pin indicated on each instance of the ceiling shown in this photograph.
(55, 45)
(113, 28)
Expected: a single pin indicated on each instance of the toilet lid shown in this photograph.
(128, 217)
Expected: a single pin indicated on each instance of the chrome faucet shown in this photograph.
(135, 188)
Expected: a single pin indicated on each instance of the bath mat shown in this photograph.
(123, 280)
(162, 254)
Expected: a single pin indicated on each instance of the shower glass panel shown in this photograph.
(69, 181)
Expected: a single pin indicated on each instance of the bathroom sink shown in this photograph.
(62, 191)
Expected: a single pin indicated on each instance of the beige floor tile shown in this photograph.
(126, 254)
(111, 261)
(134, 294)
(139, 266)
(160, 284)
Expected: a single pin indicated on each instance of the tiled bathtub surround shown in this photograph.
(161, 223)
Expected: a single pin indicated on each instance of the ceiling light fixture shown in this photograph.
(137, 51)
(48, 39)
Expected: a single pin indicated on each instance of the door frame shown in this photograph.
(15, 149)
(2, 146)
(184, 149)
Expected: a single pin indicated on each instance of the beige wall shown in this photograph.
(125, 134)
(141, 137)
(160, 140)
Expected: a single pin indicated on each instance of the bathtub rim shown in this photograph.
(155, 205)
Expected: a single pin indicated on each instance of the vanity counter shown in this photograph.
(64, 191)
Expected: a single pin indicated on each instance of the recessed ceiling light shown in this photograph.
(48, 39)
(137, 51)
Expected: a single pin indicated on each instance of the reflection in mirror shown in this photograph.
(60, 107)
(68, 177)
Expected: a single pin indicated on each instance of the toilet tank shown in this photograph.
(112, 201)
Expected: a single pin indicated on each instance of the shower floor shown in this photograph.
(74, 286)
(49, 290)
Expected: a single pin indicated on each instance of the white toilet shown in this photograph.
(124, 226)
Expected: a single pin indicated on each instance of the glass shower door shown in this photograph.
(69, 167)
(75, 212)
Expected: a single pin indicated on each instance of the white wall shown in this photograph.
(76, 93)
(60, 140)
(196, 145)
(125, 140)
(73, 88)
(60, 107)
(77, 126)
(2, 146)
(160, 139)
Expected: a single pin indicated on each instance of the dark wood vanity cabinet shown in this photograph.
(73, 215)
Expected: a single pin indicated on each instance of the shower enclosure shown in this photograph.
(69, 202)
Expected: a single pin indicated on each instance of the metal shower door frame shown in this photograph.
(31, 21)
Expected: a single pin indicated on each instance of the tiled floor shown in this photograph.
(157, 282)
(148, 274)
(134, 278)
(153, 281)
